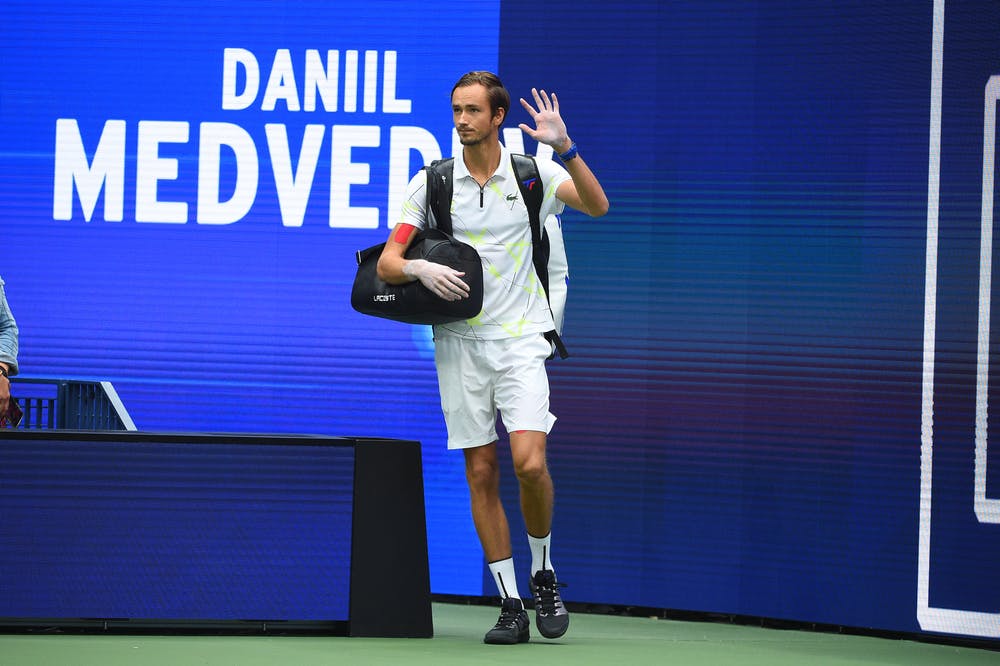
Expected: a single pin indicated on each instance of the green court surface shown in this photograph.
(458, 629)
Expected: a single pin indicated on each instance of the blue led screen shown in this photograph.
(776, 400)
(175, 529)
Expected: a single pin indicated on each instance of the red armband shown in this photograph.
(403, 233)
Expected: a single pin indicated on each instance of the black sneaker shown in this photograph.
(512, 627)
(551, 616)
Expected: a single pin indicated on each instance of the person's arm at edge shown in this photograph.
(8, 335)
(4, 388)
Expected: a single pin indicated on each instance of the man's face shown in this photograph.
(470, 106)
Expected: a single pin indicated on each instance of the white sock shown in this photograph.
(503, 576)
(540, 553)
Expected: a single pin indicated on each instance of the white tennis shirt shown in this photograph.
(494, 220)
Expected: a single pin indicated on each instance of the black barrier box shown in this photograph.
(134, 531)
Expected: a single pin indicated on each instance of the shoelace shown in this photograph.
(508, 617)
(548, 596)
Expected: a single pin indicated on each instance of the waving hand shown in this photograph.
(549, 126)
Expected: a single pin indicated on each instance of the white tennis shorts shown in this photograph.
(479, 377)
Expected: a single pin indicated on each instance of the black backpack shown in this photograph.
(439, 191)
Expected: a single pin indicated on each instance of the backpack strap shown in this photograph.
(439, 190)
(532, 190)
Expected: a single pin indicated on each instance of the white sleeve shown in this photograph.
(415, 202)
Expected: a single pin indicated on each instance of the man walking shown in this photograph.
(496, 361)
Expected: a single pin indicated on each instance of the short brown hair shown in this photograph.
(498, 95)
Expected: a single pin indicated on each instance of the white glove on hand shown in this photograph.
(443, 281)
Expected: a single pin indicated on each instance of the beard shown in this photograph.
(471, 139)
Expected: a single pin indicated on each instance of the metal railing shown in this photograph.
(70, 404)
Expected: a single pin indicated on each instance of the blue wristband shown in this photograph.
(569, 154)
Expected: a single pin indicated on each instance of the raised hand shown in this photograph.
(549, 126)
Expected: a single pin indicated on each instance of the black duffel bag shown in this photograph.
(412, 302)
